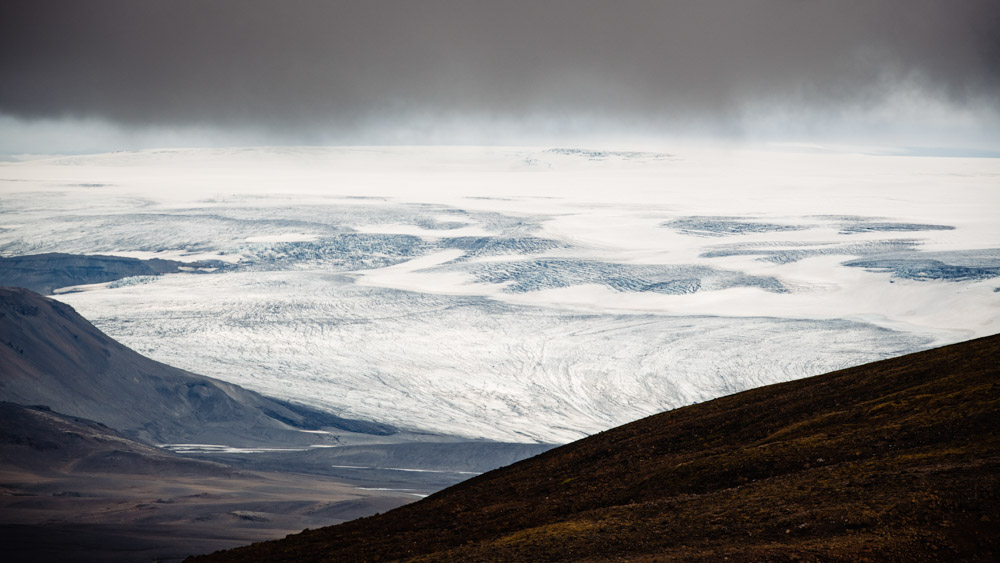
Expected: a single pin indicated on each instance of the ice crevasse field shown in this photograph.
(519, 294)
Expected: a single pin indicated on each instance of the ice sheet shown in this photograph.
(519, 293)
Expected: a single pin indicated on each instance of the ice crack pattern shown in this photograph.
(457, 290)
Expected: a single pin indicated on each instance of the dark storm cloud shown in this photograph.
(289, 65)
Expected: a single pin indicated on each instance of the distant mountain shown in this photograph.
(46, 272)
(895, 460)
(50, 355)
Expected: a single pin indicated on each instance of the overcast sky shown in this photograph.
(87, 75)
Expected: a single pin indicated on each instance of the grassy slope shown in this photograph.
(892, 460)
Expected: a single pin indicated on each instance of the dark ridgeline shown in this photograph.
(46, 272)
(895, 460)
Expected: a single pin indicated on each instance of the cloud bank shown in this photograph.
(307, 70)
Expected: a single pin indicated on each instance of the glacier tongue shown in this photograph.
(465, 365)
(457, 290)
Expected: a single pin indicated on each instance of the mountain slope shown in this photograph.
(45, 272)
(50, 355)
(898, 459)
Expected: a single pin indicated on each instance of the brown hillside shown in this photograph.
(895, 460)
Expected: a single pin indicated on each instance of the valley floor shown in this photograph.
(122, 517)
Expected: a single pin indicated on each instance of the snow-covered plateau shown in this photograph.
(519, 294)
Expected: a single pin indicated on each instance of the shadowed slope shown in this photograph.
(52, 356)
(898, 459)
(45, 272)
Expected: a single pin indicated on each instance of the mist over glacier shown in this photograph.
(525, 294)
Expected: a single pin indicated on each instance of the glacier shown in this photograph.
(518, 293)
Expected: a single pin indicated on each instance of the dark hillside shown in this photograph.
(895, 460)
(46, 272)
